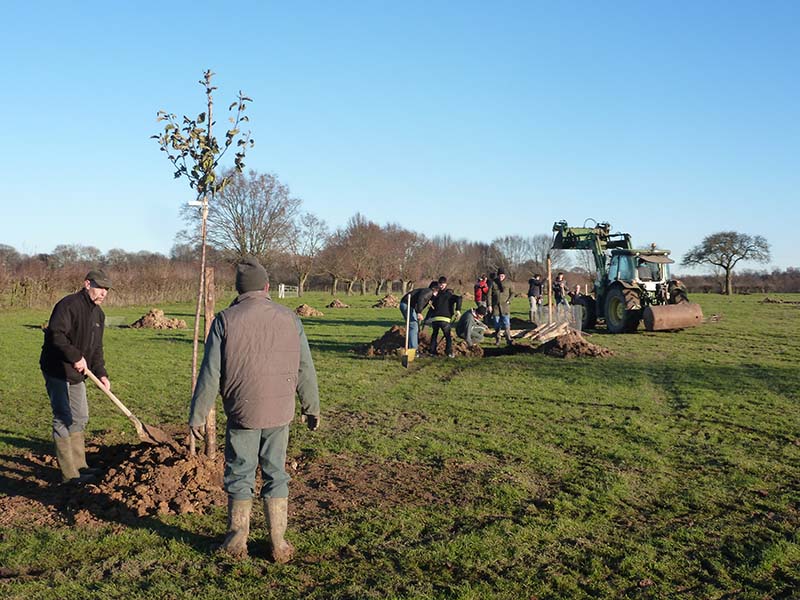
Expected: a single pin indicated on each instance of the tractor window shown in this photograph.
(648, 271)
(625, 268)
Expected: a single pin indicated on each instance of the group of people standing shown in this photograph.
(492, 303)
(492, 295)
(559, 293)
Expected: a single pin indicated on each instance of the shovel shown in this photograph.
(408, 354)
(146, 433)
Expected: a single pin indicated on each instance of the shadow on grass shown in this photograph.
(11, 438)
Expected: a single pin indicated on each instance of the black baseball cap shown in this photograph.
(99, 278)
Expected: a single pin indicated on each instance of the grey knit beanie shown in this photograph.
(250, 276)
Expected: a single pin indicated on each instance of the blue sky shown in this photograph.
(671, 120)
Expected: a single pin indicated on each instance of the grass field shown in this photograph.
(671, 470)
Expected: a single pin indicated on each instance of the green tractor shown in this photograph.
(632, 285)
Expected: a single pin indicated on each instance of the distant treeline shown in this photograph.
(747, 282)
(340, 268)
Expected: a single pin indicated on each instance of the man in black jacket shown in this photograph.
(445, 305)
(73, 342)
(416, 301)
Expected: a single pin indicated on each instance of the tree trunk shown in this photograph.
(334, 284)
(301, 284)
(363, 286)
(728, 281)
(211, 421)
(200, 294)
(350, 285)
(379, 287)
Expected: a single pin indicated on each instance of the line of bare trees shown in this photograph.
(257, 215)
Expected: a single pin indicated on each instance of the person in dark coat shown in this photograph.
(500, 297)
(73, 343)
(417, 301)
(446, 305)
(535, 285)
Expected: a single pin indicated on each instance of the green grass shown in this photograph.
(671, 470)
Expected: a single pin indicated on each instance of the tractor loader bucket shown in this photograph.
(672, 316)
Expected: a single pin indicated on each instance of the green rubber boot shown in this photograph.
(277, 512)
(65, 457)
(77, 440)
(235, 543)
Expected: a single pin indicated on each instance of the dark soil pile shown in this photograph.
(144, 481)
(388, 301)
(338, 304)
(769, 300)
(163, 480)
(155, 319)
(572, 344)
(392, 343)
(304, 310)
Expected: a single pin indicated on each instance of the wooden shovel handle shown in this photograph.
(107, 392)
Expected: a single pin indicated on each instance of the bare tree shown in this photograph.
(360, 242)
(307, 241)
(333, 259)
(515, 250)
(253, 215)
(725, 249)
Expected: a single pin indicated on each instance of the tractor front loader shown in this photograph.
(632, 285)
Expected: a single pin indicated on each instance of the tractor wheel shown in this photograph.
(588, 311)
(678, 297)
(622, 316)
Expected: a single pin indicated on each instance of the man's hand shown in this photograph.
(80, 366)
(106, 383)
(198, 431)
(311, 421)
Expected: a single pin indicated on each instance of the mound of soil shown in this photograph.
(304, 310)
(769, 300)
(163, 480)
(572, 344)
(388, 301)
(142, 481)
(392, 343)
(155, 319)
(337, 304)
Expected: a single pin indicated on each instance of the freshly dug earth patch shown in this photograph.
(137, 480)
(769, 300)
(392, 343)
(304, 310)
(155, 319)
(140, 481)
(571, 345)
(388, 301)
(337, 304)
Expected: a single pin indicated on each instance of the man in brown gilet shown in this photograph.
(256, 357)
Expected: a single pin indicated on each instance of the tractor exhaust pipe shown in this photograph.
(672, 316)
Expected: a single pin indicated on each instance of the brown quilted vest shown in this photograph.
(260, 361)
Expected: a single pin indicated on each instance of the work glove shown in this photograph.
(311, 421)
(198, 431)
